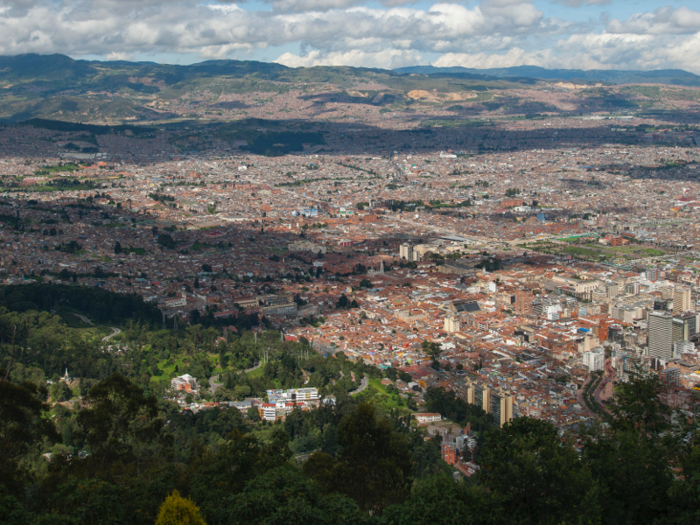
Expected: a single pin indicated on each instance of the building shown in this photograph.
(184, 383)
(279, 410)
(306, 246)
(427, 417)
(246, 302)
(523, 301)
(594, 359)
(653, 274)
(452, 325)
(501, 407)
(280, 309)
(660, 335)
(293, 394)
(176, 302)
(450, 453)
(482, 397)
(683, 327)
(682, 347)
(406, 252)
(681, 300)
(670, 375)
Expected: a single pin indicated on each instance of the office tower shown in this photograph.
(616, 334)
(681, 300)
(684, 327)
(660, 335)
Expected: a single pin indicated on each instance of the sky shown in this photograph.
(571, 34)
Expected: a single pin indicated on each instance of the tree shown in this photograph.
(253, 414)
(177, 510)
(342, 302)
(21, 427)
(432, 349)
(631, 457)
(537, 477)
(118, 248)
(118, 417)
(374, 467)
(166, 241)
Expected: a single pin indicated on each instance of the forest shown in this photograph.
(111, 446)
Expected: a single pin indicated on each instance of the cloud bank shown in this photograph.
(389, 33)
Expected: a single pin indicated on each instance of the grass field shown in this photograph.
(387, 401)
(258, 372)
(595, 251)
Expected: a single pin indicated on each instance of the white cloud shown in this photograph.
(663, 21)
(514, 57)
(579, 3)
(387, 59)
(487, 33)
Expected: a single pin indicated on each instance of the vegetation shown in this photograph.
(111, 447)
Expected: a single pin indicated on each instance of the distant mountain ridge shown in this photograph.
(61, 67)
(661, 76)
(57, 87)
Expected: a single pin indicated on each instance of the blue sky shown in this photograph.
(581, 34)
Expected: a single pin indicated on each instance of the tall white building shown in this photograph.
(594, 359)
(660, 335)
(407, 252)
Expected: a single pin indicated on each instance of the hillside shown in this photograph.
(58, 87)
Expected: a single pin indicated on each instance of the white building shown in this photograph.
(594, 359)
(428, 417)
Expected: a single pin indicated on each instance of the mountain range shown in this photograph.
(116, 92)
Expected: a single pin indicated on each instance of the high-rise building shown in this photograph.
(684, 327)
(653, 273)
(594, 359)
(681, 300)
(407, 252)
(612, 290)
(482, 397)
(523, 301)
(501, 407)
(660, 335)
(616, 334)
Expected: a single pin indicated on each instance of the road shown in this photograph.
(363, 384)
(83, 319)
(115, 331)
(254, 368)
(605, 389)
(213, 385)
